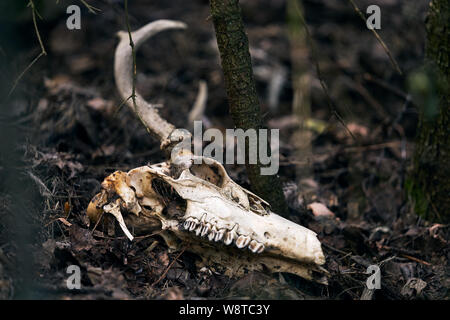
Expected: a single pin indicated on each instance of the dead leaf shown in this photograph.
(163, 258)
(257, 285)
(65, 222)
(413, 287)
(104, 151)
(173, 293)
(44, 256)
(67, 207)
(318, 209)
(57, 83)
(81, 63)
(358, 129)
(81, 239)
(100, 104)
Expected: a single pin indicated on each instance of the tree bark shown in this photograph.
(241, 91)
(429, 183)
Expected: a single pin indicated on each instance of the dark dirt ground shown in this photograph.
(62, 133)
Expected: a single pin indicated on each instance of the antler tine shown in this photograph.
(123, 74)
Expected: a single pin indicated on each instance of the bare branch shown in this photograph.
(385, 48)
(91, 9)
(330, 101)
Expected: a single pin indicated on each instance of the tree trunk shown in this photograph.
(241, 91)
(429, 183)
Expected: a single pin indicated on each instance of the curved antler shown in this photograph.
(123, 74)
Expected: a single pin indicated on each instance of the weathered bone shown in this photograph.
(123, 69)
(198, 206)
(209, 218)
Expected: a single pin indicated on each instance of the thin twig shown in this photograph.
(386, 85)
(133, 53)
(34, 13)
(23, 73)
(319, 74)
(335, 249)
(99, 234)
(168, 268)
(98, 221)
(121, 105)
(416, 259)
(91, 9)
(359, 88)
(391, 58)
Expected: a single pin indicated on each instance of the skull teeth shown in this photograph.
(206, 229)
(242, 241)
(256, 247)
(228, 238)
(187, 224)
(193, 225)
(230, 235)
(212, 234)
(199, 229)
(219, 235)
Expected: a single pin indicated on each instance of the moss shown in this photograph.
(418, 198)
(428, 184)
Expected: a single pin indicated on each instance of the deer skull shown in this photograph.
(195, 204)
(201, 207)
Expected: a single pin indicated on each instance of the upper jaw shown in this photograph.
(213, 216)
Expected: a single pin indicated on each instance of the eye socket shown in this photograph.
(174, 210)
(174, 205)
(148, 208)
(164, 190)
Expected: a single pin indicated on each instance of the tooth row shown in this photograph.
(206, 229)
(256, 247)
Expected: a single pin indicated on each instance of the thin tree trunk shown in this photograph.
(429, 183)
(241, 91)
(301, 103)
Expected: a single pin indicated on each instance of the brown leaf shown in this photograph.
(65, 222)
(100, 104)
(319, 209)
(81, 239)
(413, 287)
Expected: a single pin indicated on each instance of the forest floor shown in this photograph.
(65, 134)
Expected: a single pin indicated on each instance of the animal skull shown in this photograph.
(195, 204)
(220, 221)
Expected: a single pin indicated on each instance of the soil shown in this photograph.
(63, 131)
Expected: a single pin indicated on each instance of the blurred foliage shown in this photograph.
(424, 87)
(18, 11)
(293, 19)
(16, 23)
